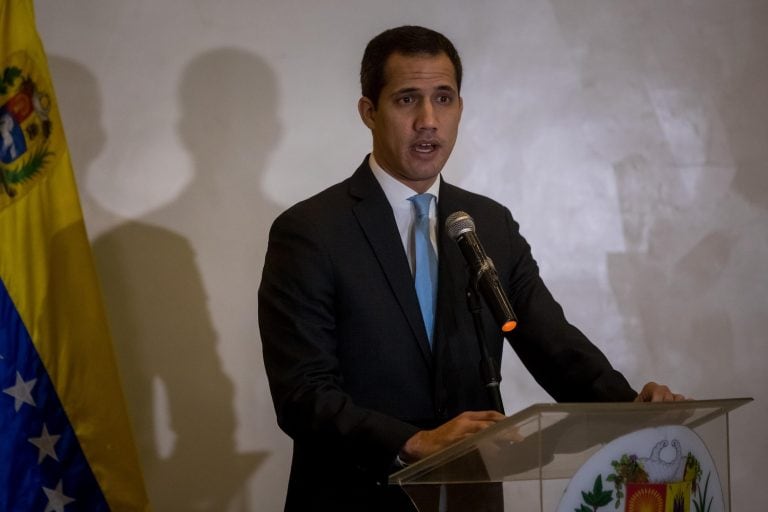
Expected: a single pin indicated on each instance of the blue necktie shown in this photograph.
(425, 272)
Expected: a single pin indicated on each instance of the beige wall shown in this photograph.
(629, 138)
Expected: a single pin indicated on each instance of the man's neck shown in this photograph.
(383, 175)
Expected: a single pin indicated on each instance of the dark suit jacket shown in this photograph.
(350, 370)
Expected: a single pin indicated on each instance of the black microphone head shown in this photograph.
(459, 223)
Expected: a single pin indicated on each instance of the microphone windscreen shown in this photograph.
(459, 223)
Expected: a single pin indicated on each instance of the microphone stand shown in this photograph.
(488, 370)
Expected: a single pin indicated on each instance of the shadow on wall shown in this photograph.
(666, 283)
(158, 306)
(693, 191)
(676, 282)
(744, 101)
(674, 99)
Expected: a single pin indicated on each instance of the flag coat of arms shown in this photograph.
(65, 438)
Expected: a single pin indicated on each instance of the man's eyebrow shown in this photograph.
(446, 87)
(406, 90)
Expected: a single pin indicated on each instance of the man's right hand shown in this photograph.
(427, 442)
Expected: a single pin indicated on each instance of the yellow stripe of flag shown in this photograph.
(47, 268)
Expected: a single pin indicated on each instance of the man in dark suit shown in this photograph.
(366, 369)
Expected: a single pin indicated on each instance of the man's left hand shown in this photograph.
(653, 392)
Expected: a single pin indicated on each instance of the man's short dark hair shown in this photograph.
(406, 40)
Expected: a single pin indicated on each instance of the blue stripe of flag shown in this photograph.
(27, 483)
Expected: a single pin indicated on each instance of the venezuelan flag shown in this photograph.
(65, 440)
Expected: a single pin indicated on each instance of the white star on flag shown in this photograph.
(46, 443)
(56, 499)
(21, 392)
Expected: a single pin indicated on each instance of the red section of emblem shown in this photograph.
(646, 497)
(20, 106)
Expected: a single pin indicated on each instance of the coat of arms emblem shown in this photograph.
(25, 126)
(660, 469)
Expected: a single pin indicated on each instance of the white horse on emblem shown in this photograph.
(8, 147)
(661, 470)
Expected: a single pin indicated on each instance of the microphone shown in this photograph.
(461, 227)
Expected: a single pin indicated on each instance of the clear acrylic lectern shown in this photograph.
(528, 460)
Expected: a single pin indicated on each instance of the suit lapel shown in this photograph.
(452, 276)
(377, 221)
(452, 263)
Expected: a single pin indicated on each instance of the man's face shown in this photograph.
(415, 123)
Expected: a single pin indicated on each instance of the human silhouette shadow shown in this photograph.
(669, 281)
(157, 303)
(744, 120)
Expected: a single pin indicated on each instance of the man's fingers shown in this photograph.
(427, 442)
(492, 416)
(653, 392)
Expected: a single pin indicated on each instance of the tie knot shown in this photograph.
(421, 202)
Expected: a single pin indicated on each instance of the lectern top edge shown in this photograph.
(565, 421)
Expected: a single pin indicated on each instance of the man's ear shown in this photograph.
(367, 111)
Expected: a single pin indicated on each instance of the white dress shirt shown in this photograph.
(397, 194)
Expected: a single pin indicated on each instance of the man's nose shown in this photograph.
(426, 119)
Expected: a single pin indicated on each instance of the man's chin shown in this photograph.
(427, 165)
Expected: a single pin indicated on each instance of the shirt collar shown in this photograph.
(396, 191)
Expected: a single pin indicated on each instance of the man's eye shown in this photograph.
(407, 99)
(444, 99)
